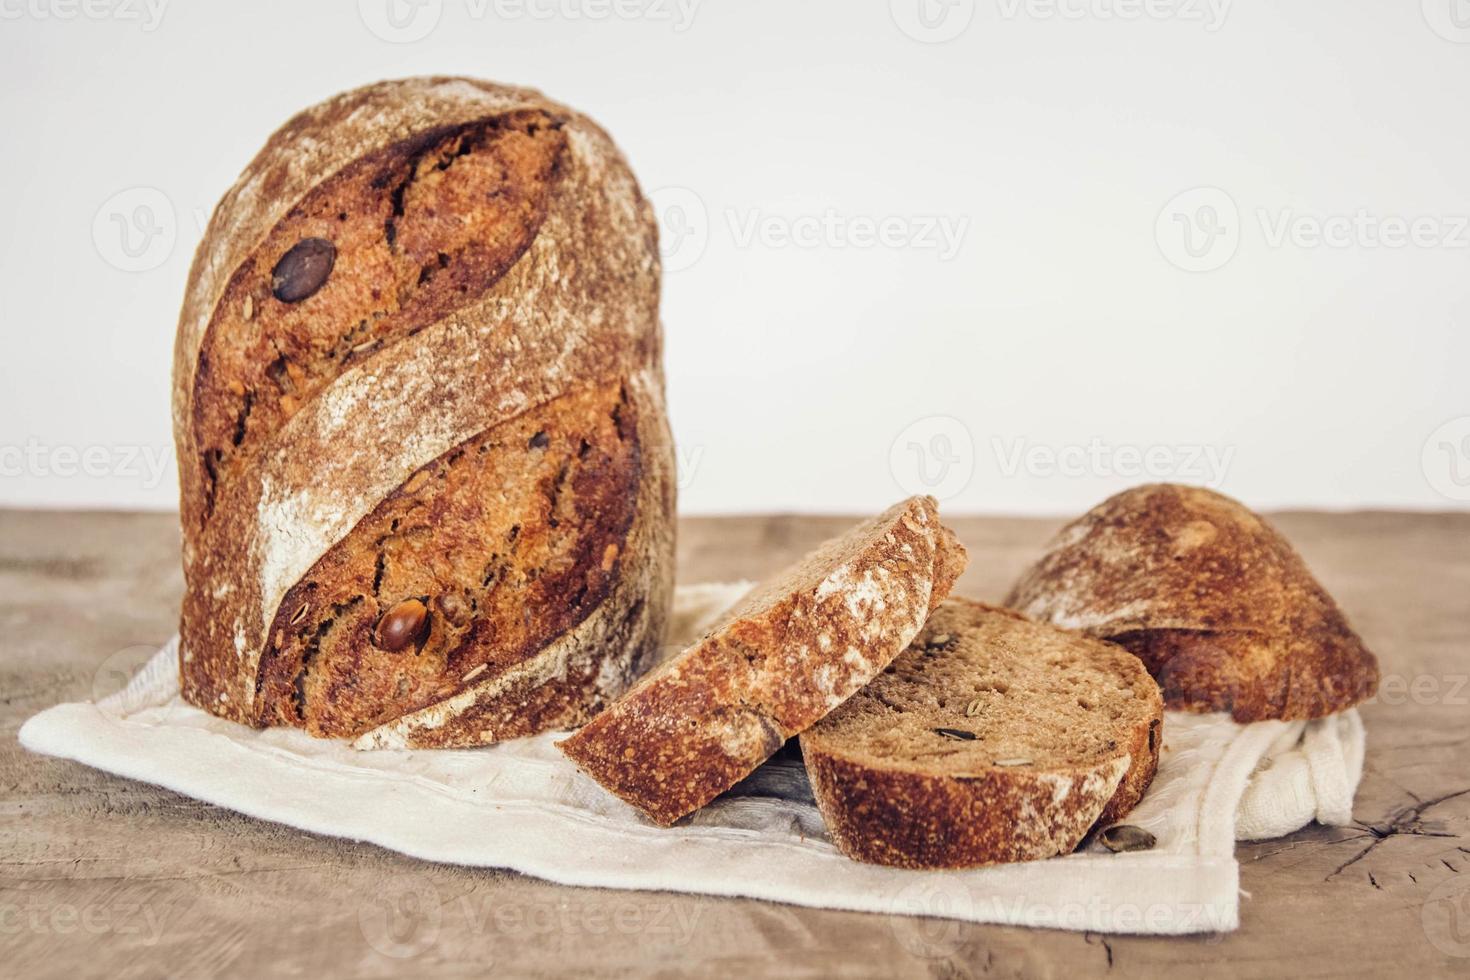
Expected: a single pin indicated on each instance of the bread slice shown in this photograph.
(991, 739)
(1221, 608)
(790, 651)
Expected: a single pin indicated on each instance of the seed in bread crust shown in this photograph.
(303, 270)
(1007, 763)
(404, 624)
(959, 734)
(454, 607)
(974, 707)
(1126, 837)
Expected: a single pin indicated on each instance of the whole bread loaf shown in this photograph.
(426, 476)
(990, 739)
(1214, 600)
(790, 651)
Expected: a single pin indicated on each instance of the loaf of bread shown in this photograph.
(426, 476)
(1219, 606)
(790, 651)
(991, 739)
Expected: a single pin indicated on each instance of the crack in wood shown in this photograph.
(1404, 822)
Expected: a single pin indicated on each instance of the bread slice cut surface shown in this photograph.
(991, 739)
(789, 652)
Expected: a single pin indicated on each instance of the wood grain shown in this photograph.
(104, 875)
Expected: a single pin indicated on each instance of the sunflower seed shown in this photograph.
(1012, 762)
(956, 733)
(1126, 837)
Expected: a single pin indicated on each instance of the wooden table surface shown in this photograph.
(101, 875)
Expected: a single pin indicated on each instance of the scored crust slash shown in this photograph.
(426, 472)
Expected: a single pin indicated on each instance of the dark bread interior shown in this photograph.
(507, 541)
(415, 230)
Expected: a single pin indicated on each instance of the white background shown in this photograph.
(829, 371)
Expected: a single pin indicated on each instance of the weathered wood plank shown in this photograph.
(103, 874)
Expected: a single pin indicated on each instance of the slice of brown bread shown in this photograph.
(1221, 608)
(991, 739)
(790, 651)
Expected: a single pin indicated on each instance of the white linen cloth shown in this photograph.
(522, 805)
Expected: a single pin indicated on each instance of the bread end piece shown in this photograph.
(1214, 599)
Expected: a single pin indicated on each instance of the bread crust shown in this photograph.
(577, 308)
(909, 820)
(1216, 601)
(902, 814)
(787, 654)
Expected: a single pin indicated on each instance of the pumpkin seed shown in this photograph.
(1126, 837)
